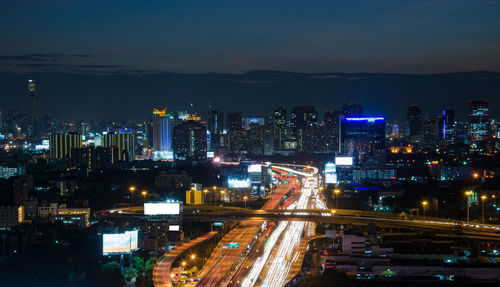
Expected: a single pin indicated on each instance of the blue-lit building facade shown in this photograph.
(363, 138)
(478, 119)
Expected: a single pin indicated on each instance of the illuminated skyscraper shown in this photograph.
(190, 142)
(279, 127)
(60, 145)
(330, 131)
(303, 120)
(32, 120)
(162, 130)
(478, 122)
(123, 145)
(363, 138)
(235, 131)
(215, 128)
(447, 126)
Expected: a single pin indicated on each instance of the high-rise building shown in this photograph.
(363, 138)
(60, 145)
(162, 130)
(215, 128)
(478, 119)
(33, 119)
(330, 131)
(303, 120)
(414, 119)
(447, 130)
(353, 109)
(234, 131)
(279, 127)
(190, 142)
(123, 145)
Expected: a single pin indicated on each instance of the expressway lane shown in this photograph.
(161, 271)
(223, 263)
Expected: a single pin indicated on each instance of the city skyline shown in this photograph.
(77, 94)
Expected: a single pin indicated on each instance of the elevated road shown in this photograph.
(161, 271)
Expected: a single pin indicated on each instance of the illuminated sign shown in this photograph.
(364, 119)
(174, 228)
(218, 223)
(162, 208)
(210, 154)
(115, 243)
(164, 155)
(134, 242)
(330, 173)
(343, 160)
(238, 183)
(255, 168)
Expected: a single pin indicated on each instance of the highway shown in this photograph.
(282, 248)
(161, 271)
(225, 262)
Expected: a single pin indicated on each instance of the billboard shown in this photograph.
(330, 173)
(174, 228)
(162, 208)
(238, 183)
(255, 168)
(210, 154)
(134, 242)
(115, 243)
(343, 160)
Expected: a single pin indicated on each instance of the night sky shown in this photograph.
(133, 55)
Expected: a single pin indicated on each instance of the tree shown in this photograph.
(138, 264)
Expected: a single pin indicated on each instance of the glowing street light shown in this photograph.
(468, 194)
(193, 256)
(483, 198)
(424, 205)
(144, 193)
(337, 192)
(245, 198)
(132, 189)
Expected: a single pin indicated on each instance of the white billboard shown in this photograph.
(162, 208)
(238, 183)
(330, 173)
(343, 160)
(174, 228)
(115, 243)
(134, 239)
(255, 168)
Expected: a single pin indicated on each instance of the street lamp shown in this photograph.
(483, 198)
(245, 199)
(205, 191)
(222, 192)
(337, 192)
(132, 189)
(144, 193)
(424, 205)
(468, 194)
(193, 256)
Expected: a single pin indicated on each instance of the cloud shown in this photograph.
(31, 57)
(41, 57)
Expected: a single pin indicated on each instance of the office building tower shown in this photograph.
(60, 145)
(447, 126)
(279, 127)
(414, 120)
(215, 122)
(303, 121)
(363, 138)
(32, 121)
(123, 145)
(353, 109)
(330, 131)
(430, 134)
(162, 130)
(190, 142)
(235, 132)
(479, 122)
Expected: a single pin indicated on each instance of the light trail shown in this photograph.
(291, 233)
